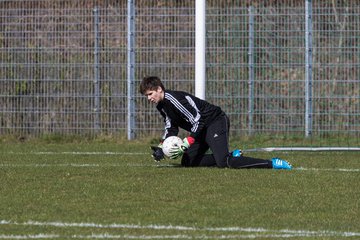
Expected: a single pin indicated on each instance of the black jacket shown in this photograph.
(181, 109)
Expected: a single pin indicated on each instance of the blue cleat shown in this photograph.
(280, 164)
(236, 153)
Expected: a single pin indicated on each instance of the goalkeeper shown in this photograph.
(207, 125)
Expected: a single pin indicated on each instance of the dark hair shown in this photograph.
(150, 83)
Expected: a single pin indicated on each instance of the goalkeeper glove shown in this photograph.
(187, 142)
(158, 153)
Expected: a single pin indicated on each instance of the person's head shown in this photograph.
(152, 88)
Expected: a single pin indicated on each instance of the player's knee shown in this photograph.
(187, 161)
(222, 164)
(221, 160)
(231, 161)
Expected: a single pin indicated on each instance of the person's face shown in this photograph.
(155, 96)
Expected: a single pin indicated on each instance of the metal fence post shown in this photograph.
(96, 71)
(131, 70)
(308, 68)
(251, 69)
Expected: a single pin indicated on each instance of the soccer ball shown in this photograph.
(171, 143)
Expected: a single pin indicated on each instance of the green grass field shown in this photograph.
(115, 191)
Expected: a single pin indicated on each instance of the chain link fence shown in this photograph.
(63, 65)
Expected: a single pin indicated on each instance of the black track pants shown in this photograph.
(248, 162)
(216, 137)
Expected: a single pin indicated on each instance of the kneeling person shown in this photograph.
(208, 126)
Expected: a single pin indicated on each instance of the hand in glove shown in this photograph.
(158, 153)
(187, 142)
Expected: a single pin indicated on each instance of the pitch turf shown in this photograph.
(92, 191)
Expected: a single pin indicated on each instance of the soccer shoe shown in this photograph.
(280, 164)
(236, 153)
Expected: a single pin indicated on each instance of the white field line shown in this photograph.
(302, 149)
(37, 236)
(254, 232)
(77, 153)
(35, 165)
(329, 169)
(144, 237)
